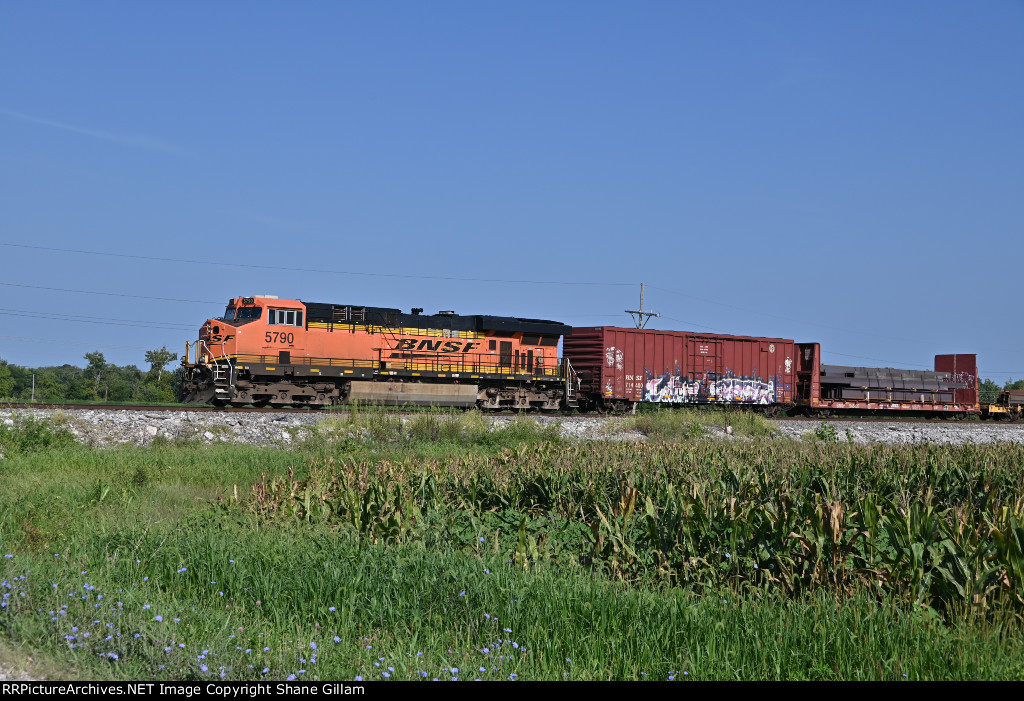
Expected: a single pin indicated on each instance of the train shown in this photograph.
(265, 350)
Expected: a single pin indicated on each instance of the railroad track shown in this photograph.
(201, 408)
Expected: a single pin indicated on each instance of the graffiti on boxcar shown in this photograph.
(674, 389)
(744, 391)
(613, 357)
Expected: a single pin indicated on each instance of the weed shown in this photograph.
(826, 433)
(28, 434)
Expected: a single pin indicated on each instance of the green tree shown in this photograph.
(49, 388)
(6, 380)
(1011, 384)
(96, 371)
(988, 391)
(158, 359)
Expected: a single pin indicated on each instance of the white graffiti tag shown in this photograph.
(674, 389)
(743, 391)
(613, 357)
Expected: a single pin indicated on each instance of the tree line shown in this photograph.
(988, 391)
(97, 381)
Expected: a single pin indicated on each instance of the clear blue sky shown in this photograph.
(850, 173)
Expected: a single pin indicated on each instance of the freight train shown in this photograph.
(280, 352)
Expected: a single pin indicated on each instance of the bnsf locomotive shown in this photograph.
(266, 350)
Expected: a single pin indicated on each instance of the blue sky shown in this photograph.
(845, 173)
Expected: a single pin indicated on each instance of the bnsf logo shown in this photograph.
(408, 344)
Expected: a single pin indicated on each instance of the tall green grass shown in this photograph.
(690, 560)
(228, 596)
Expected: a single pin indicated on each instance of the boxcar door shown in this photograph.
(706, 362)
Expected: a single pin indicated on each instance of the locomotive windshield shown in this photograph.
(250, 312)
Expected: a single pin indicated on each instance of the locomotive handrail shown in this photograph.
(479, 363)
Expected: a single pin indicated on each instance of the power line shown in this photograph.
(53, 341)
(109, 294)
(877, 360)
(699, 326)
(95, 320)
(255, 266)
(803, 321)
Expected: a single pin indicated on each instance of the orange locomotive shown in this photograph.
(266, 350)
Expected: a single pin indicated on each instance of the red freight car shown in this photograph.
(618, 367)
(951, 389)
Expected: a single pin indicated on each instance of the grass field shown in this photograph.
(382, 550)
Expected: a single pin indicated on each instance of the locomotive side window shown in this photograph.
(284, 317)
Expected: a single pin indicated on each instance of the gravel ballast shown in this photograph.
(106, 427)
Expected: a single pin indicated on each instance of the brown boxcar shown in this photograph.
(951, 388)
(618, 367)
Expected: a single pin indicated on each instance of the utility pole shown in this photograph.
(640, 317)
(33, 387)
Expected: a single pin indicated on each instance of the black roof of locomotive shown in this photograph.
(395, 318)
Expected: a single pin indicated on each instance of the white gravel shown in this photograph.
(105, 427)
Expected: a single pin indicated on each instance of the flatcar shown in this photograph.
(829, 390)
(286, 352)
